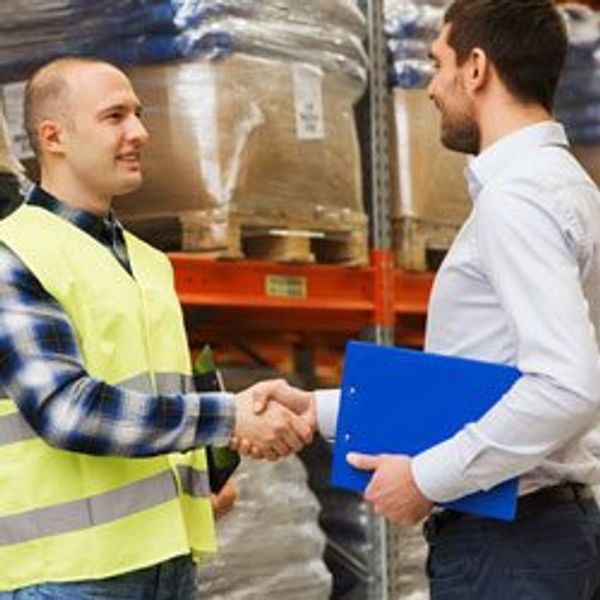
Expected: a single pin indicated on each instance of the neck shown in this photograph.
(499, 119)
(74, 194)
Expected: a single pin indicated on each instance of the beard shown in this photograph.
(461, 134)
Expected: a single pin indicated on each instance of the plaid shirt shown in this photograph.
(42, 370)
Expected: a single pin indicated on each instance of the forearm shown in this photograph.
(91, 417)
(529, 423)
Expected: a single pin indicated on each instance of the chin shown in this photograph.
(129, 186)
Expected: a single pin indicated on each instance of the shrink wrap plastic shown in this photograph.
(272, 141)
(325, 32)
(270, 545)
(411, 26)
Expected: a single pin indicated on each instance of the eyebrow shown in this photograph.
(121, 106)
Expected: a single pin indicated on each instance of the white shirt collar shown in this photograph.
(512, 147)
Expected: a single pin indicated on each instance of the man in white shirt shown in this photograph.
(520, 286)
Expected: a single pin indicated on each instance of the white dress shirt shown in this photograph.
(521, 286)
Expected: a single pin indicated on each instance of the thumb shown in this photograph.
(260, 399)
(364, 462)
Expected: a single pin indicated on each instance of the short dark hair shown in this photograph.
(526, 41)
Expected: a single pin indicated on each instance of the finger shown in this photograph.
(242, 446)
(364, 462)
(245, 447)
(260, 400)
(371, 494)
(306, 429)
(299, 432)
(294, 432)
(257, 453)
(272, 455)
(299, 401)
(291, 440)
(266, 391)
(281, 446)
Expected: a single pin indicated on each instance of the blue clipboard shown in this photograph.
(402, 401)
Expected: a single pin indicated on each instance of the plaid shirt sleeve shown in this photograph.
(42, 370)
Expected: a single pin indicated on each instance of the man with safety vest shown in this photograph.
(103, 476)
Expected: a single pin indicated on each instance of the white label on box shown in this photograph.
(12, 97)
(308, 102)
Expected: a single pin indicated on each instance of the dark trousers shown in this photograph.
(547, 553)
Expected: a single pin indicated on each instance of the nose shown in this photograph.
(136, 130)
(430, 88)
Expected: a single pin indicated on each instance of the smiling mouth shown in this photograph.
(132, 159)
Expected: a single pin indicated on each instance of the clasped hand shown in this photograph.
(273, 420)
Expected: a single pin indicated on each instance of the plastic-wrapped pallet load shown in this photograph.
(135, 30)
(271, 546)
(256, 142)
(430, 194)
(142, 31)
(246, 141)
(410, 27)
(11, 173)
(578, 96)
(430, 199)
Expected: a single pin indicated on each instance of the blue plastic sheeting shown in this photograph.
(327, 33)
(411, 26)
(410, 74)
(577, 103)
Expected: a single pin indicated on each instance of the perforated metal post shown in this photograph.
(385, 541)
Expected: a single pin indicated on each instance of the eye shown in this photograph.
(114, 116)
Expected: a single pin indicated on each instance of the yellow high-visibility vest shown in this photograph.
(67, 516)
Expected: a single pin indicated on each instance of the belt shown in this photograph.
(527, 505)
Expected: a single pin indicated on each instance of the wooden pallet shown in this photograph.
(260, 237)
(421, 245)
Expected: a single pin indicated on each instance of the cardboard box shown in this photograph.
(267, 140)
(428, 181)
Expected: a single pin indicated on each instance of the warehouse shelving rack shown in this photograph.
(260, 300)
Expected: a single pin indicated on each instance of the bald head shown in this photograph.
(83, 119)
(47, 94)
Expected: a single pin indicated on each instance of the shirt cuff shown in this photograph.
(216, 421)
(438, 473)
(327, 403)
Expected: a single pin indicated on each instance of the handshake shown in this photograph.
(273, 420)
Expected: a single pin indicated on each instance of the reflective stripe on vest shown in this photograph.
(166, 383)
(14, 428)
(88, 512)
(193, 482)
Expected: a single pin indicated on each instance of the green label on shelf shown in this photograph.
(277, 286)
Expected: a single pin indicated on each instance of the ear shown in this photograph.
(51, 134)
(477, 70)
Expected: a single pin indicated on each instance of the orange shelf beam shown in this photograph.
(268, 297)
(261, 284)
(411, 292)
